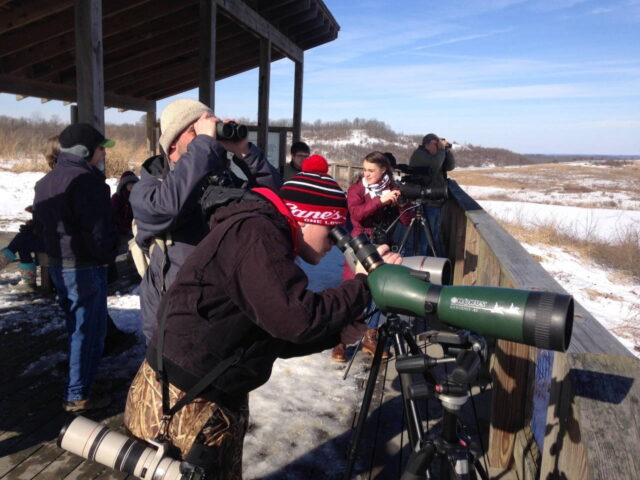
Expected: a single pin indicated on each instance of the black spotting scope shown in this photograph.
(540, 319)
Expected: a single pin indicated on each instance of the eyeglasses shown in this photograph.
(301, 155)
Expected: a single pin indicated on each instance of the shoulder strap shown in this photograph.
(208, 379)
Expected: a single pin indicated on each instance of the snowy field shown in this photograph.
(306, 401)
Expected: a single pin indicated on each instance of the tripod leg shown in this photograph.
(418, 463)
(429, 235)
(405, 237)
(414, 422)
(366, 400)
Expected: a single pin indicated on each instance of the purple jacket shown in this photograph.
(72, 208)
(167, 200)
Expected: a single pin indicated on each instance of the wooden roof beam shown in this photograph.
(253, 21)
(156, 71)
(24, 13)
(33, 88)
(151, 56)
(185, 82)
(51, 48)
(115, 12)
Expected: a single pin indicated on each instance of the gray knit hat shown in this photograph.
(177, 116)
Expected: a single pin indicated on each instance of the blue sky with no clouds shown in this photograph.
(541, 76)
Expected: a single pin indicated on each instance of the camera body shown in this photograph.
(231, 131)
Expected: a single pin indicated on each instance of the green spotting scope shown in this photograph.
(541, 319)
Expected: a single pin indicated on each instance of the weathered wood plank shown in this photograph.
(89, 73)
(248, 17)
(208, 31)
(264, 81)
(593, 418)
(297, 100)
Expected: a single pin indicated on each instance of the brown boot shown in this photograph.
(370, 343)
(337, 354)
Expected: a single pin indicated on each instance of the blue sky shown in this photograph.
(541, 76)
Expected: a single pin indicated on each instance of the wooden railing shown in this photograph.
(554, 416)
(573, 415)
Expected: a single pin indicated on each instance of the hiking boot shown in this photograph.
(24, 287)
(370, 343)
(6, 257)
(91, 403)
(337, 354)
(27, 283)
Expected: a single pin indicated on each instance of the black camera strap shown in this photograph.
(203, 383)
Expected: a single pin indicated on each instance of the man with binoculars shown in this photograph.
(434, 156)
(166, 200)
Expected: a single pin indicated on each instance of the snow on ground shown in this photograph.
(604, 197)
(304, 402)
(16, 193)
(593, 223)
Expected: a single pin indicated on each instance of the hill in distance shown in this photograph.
(344, 142)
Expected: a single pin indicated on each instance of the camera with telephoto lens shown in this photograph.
(231, 131)
(149, 461)
(412, 187)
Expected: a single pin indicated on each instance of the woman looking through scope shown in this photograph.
(373, 205)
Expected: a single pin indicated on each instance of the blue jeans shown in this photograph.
(82, 294)
(432, 215)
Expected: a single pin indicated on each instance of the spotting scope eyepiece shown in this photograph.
(540, 319)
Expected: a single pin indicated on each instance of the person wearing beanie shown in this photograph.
(239, 303)
(373, 207)
(24, 244)
(435, 156)
(166, 201)
(122, 213)
(73, 212)
(299, 153)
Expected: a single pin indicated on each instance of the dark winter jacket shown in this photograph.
(166, 203)
(289, 170)
(122, 212)
(241, 289)
(439, 164)
(72, 208)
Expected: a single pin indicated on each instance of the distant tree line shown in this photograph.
(345, 142)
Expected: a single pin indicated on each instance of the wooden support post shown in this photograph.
(89, 68)
(297, 101)
(73, 113)
(208, 15)
(152, 139)
(263, 94)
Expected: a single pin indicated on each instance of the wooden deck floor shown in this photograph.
(31, 414)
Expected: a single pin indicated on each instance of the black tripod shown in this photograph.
(419, 224)
(451, 447)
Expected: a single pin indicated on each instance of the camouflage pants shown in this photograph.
(212, 424)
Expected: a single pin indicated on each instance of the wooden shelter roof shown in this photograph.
(150, 47)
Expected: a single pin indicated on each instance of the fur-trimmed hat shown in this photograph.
(313, 196)
(176, 117)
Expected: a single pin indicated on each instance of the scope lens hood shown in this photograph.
(548, 320)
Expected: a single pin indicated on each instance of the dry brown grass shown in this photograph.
(623, 256)
(620, 177)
